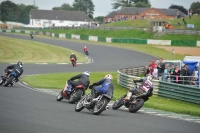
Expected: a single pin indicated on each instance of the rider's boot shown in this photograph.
(128, 96)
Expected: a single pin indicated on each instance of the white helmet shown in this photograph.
(109, 76)
(72, 53)
(149, 77)
(87, 73)
(85, 46)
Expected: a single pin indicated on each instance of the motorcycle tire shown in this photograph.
(59, 96)
(135, 107)
(117, 104)
(1, 81)
(75, 96)
(79, 106)
(102, 108)
(9, 80)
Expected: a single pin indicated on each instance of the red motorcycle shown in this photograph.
(73, 96)
(73, 61)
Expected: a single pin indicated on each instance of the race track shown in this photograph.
(24, 110)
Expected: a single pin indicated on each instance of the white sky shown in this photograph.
(102, 7)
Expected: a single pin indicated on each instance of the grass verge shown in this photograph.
(12, 50)
(58, 80)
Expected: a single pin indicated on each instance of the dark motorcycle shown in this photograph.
(73, 62)
(87, 52)
(31, 36)
(134, 104)
(73, 96)
(8, 79)
(96, 107)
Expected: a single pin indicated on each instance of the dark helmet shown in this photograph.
(19, 63)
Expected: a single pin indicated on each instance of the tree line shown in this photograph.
(9, 11)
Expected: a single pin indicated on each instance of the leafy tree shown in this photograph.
(65, 7)
(130, 3)
(180, 8)
(99, 19)
(194, 6)
(14, 12)
(84, 5)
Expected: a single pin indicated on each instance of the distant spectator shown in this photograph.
(171, 71)
(177, 73)
(161, 68)
(190, 13)
(183, 18)
(147, 71)
(152, 65)
(166, 73)
(155, 72)
(185, 72)
(198, 11)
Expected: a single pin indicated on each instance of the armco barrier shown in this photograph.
(165, 89)
(116, 40)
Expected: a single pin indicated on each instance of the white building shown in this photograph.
(50, 18)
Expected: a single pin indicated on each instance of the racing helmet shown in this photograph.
(87, 73)
(109, 76)
(72, 53)
(19, 63)
(85, 47)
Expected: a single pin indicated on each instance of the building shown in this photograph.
(130, 13)
(49, 18)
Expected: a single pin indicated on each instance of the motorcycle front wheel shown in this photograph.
(136, 106)
(79, 106)
(100, 106)
(59, 97)
(9, 80)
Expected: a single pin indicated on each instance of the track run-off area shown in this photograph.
(28, 110)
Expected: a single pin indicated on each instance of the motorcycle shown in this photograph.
(8, 79)
(73, 96)
(73, 62)
(96, 107)
(134, 104)
(87, 52)
(31, 36)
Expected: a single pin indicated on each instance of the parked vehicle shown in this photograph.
(134, 104)
(96, 107)
(73, 96)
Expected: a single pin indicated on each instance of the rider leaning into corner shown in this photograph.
(85, 49)
(17, 68)
(107, 87)
(73, 56)
(146, 88)
(83, 80)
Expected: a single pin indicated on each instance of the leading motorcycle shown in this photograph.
(135, 103)
(73, 96)
(97, 106)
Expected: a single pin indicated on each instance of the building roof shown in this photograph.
(111, 14)
(59, 15)
(170, 12)
(132, 10)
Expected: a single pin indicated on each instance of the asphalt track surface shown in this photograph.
(23, 110)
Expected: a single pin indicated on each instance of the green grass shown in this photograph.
(146, 23)
(13, 50)
(58, 80)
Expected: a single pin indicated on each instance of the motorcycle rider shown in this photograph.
(145, 88)
(17, 68)
(83, 80)
(73, 57)
(107, 87)
(85, 49)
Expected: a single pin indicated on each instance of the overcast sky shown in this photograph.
(102, 7)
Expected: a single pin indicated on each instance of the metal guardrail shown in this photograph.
(166, 89)
(189, 32)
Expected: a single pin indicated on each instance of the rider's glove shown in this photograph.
(91, 86)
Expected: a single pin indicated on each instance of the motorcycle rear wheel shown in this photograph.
(59, 97)
(1, 81)
(79, 106)
(135, 107)
(9, 80)
(100, 106)
(75, 96)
